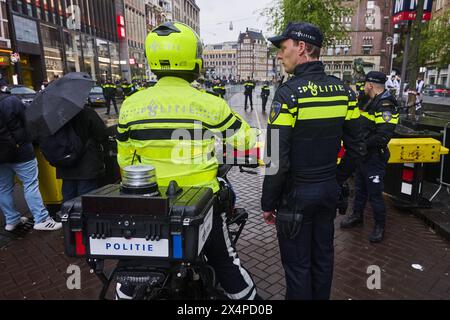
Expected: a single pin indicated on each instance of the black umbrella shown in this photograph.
(59, 102)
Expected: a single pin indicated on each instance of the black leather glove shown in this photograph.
(343, 195)
(289, 224)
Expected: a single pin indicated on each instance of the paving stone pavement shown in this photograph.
(33, 264)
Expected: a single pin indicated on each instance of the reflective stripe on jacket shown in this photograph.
(153, 121)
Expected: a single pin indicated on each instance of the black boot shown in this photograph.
(356, 219)
(377, 233)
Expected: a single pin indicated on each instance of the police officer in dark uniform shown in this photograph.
(265, 93)
(363, 99)
(311, 114)
(249, 86)
(109, 91)
(127, 88)
(219, 89)
(378, 122)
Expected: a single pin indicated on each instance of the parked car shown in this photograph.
(438, 90)
(96, 97)
(24, 93)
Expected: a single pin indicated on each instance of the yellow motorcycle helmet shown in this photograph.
(173, 48)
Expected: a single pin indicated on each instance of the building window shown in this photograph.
(366, 50)
(52, 51)
(368, 41)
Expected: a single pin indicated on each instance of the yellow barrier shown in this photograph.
(416, 150)
(49, 186)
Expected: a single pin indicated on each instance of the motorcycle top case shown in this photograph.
(121, 226)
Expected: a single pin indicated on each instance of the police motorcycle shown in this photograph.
(156, 234)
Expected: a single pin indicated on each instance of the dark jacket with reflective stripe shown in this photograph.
(312, 112)
(265, 91)
(109, 90)
(249, 86)
(220, 90)
(379, 120)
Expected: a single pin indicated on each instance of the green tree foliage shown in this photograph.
(326, 14)
(435, 41)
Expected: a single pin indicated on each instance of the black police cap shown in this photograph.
(376, 77)
(302, 31)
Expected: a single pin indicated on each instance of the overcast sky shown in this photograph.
(216, 15)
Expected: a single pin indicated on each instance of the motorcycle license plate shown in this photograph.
(136, 247)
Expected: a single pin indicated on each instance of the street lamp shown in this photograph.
(390, 41)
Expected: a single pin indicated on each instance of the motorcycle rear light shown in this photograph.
(408, 175)
(341, 152)
(80, 248)
(254, 152)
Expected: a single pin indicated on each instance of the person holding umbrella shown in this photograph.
(19, 160)
(70, 133)
(82, 177)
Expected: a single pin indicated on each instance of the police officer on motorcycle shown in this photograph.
(312, 114)
(147, 130)
(379, 120)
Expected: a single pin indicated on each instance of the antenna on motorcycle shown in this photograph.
(135, 155)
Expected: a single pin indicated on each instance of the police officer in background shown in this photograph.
(219, 89)
(378, 124)
(126, 87)
(249, 86)
(363, 99)
(265, 93)
(312, 114)
(176, 105)
(109, 91)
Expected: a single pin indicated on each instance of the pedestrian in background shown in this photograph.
(82, 177)
(312, 113)
(17, 158)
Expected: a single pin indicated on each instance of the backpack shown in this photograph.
(8, 145)
(64, 148)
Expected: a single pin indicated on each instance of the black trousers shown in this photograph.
(108, 104)
(249, 96)
(369, 185)
(222, 256)
(308, 258)
(264, 102)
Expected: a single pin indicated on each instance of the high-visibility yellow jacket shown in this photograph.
(153, 121)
